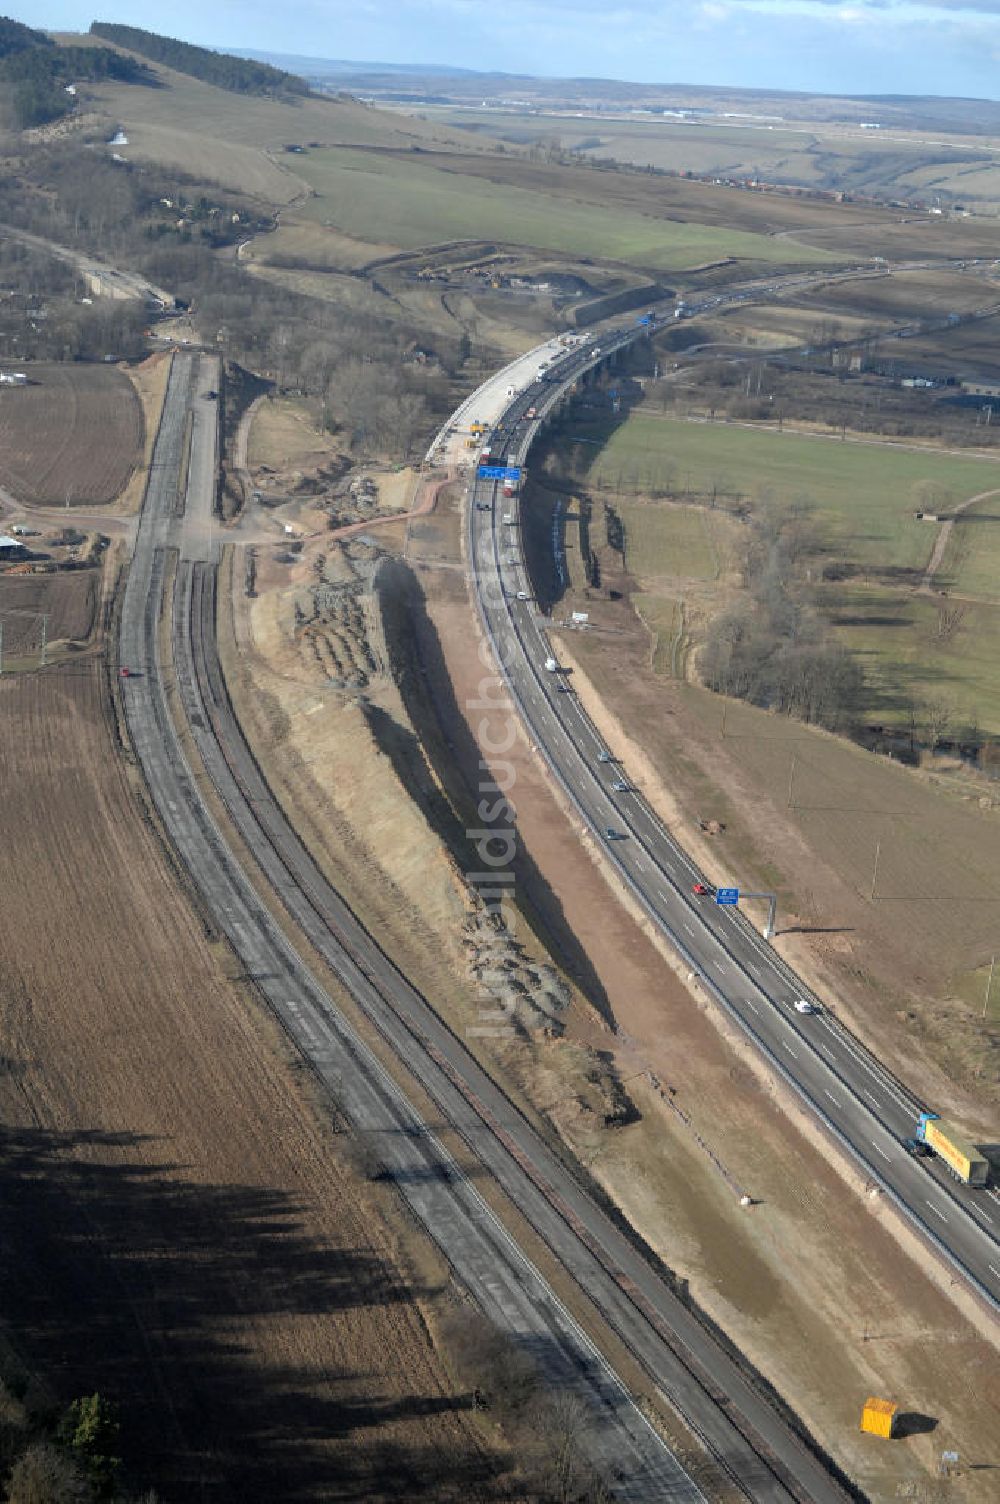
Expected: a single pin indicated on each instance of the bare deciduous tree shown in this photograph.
(937, 718)
(44, 1474)
(950, 615)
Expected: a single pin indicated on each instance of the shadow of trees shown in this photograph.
(119, 1276)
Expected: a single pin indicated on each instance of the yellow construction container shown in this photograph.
(879, 1417)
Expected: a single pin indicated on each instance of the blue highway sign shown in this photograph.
(492, 472)
(728, 897)
(512, 472)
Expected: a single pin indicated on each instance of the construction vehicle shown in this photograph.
(962, 1158)
(477, 428)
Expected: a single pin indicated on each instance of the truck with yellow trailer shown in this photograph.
(961, 1157)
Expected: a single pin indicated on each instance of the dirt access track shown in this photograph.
(183, 1231)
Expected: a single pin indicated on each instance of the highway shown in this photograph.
(722, 1404)
(866, 1109)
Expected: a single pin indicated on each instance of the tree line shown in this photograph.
(238, 74)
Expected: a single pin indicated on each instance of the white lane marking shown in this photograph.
(753, 968)
(938, 1210)
(870, 1097)
(719, 967)
(881, 1151)
(663, 895)
(789, 1048)
(868, 1064)
(993, 1270)
(984, 1216)
(833, 1099)
(750, 1005)
(688, 928)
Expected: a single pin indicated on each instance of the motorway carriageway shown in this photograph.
(860, 1102)
(758, 1449)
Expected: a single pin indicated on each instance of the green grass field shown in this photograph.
(669, 540)
(971, 564)
(865, 494)
(895, 637)
(238, 140)
(411, 203)
(663, 616)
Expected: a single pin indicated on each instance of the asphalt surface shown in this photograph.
(856, 1098)
(735, 1421)
(114, 281)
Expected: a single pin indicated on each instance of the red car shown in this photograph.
(703, 890)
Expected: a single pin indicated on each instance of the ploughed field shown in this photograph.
(69, 601)
(73, 434)
(182, 1231)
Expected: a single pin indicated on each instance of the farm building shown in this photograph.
(10, 548)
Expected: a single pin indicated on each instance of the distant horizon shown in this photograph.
(376, 65)
(857, 48)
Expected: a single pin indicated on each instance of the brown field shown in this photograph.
(68, 600)
(317, 247)
(774, 326)
(906, 295)
(75, 434)
(183, 1231)
(969, 352)
(284, 436)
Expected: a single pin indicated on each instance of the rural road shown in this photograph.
(944, 534)
(104, 280)
(866, 1109)
(725, 1408)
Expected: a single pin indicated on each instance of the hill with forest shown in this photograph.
(239, 75)
(37, 78)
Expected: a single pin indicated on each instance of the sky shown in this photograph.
(949, 47)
